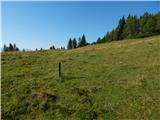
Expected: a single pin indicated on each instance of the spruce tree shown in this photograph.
(69, 46)
(5, 48)
(142, 22)
(157, 28)
(17, 49)
(131, 28)
(150, 26)
(79, 41)
(52, 48)
(107, 36)
(118, 35)
(103, 40)
(14, 47)
(11, 48)
(99, 40)
(82, 41)
(74, 42)
(111, 35)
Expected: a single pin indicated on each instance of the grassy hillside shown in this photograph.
(112, 81)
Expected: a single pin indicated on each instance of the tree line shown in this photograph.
(127, 28)
(72, 43)
(10, 47)
(134, 27)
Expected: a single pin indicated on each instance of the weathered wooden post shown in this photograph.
(60, 70)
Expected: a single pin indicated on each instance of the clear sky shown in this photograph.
(41, 24)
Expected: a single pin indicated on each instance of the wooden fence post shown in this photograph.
(60, 70)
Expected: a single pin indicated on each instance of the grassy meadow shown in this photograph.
(113, 81)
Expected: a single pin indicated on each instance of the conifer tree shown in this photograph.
(98, 40)
(82, 41)
(5, 48)
(69, 46)
(142, 21)
(157, 28)
(74, 42)
(11, 48)
(52, 48)
(131, 28)
(118, 35)
(150, 26)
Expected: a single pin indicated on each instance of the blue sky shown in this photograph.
(41, 24)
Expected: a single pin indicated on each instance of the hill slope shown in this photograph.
(118, 80)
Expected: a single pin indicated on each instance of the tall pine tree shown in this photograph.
(82, 41)
(69, 46)
(150, 26)
(11, 48)
(118, 35)
(131, 28)
(142, 21)
(74, 42)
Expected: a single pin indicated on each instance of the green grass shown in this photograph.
(113, 81)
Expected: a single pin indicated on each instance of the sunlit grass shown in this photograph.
(117, 80)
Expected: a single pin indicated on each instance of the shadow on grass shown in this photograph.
(70, 77)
